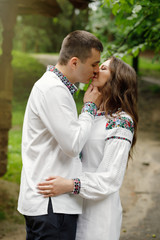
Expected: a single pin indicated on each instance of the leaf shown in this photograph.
(107, 2)
(132, 2)
(132, 16)
(135, 51)
(81, 86)
(119, 55)
(115, 8)
(136, 8)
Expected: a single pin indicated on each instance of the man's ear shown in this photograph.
(73, 62)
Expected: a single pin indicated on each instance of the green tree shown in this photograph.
(30, 34)
(138, 25)
(45, 34)
(102, 23)
(127, 27)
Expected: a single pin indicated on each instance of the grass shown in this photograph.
(26, 71)
(2, 214)
(155, 88)
(8, 205)
(147, 66)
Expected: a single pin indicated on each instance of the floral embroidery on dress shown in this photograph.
(80, 156)
(122, 138)
(72, 88)
(100, 114)
(90, 107)
(122, 122)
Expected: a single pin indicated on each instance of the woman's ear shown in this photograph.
(73, 62)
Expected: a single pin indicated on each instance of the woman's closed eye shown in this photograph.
(103, 67)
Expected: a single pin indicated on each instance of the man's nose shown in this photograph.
(96, 69)
(96, 74)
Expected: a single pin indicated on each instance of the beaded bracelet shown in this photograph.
(90, 107)
(77, 186)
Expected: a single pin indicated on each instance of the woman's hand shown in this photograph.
(54, 186)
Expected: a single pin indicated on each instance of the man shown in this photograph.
(53, 136)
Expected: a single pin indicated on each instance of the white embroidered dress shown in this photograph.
(104, 160)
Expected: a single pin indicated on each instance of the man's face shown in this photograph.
(89, 68)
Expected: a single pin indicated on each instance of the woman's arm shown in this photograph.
(107, 179)
(109, 175)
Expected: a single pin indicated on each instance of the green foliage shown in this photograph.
(138, 25)
(79, 100)
(149, 64)
(155, 88)
(14, 154)
(101, 23)
(30, 34)
(26, 71)
(2, 214)
(45, 34)
(126, 27)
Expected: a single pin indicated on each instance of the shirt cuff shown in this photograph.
(77, 186)
(90, 107)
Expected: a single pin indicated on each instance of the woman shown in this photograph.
(105, 155)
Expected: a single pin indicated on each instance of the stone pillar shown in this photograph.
(8, 19)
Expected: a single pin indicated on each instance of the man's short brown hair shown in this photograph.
(78, 44)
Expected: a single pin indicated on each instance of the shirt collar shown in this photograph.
(72, 88)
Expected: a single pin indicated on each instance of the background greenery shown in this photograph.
(125, 27)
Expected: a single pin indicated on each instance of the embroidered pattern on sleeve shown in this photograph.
(121, 122)
(77, 186)
(126, 139)
(90, 107)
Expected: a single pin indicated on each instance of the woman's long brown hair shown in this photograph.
(120, 91)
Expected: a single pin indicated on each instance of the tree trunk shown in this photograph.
(8, 19)
(135, 64)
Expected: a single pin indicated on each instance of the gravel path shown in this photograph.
(46, 59)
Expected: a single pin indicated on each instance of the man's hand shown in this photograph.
(93, 95)
(54, 186)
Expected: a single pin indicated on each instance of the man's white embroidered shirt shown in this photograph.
(53, 136)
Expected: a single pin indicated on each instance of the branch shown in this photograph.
(132, 30)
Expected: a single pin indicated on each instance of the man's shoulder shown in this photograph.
(47, 81)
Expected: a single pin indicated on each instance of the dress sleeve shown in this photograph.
(110, 173)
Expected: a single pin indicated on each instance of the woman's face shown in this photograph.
(103, 75)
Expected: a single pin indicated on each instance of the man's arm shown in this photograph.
(57, 113)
